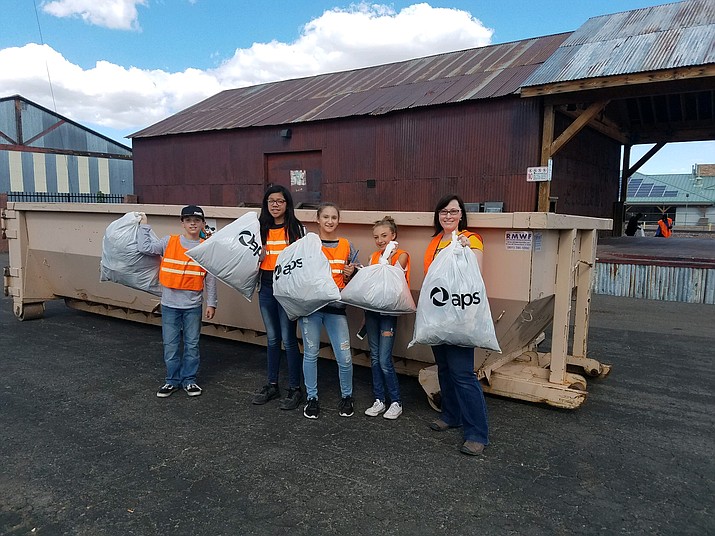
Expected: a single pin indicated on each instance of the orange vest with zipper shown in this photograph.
(179, 271)
(393, 260)
(338, 258)
(432, 249)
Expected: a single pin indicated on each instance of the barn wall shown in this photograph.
(399, 161)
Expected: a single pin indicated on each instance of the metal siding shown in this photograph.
(666, 283)
(480, 150)
(649, 39)
(480, 73)
(4, 171)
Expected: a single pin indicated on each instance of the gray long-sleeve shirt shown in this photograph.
(171, 297)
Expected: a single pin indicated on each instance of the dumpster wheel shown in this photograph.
(30, 311)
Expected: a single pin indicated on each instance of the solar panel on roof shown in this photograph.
(644, 190)
(657, 191)
(670, 193)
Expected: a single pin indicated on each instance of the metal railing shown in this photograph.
(57, 197)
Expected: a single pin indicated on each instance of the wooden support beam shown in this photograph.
(576, 127)
(657, 147)
(547, 137)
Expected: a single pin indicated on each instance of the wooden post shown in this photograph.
(546, 141)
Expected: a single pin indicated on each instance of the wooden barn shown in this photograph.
(397, 136)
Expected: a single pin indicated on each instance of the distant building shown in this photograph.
(44, 153)
(687, 198)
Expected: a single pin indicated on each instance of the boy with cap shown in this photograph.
(183, 282)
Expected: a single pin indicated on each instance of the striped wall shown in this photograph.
(666, 283)
(55, 173)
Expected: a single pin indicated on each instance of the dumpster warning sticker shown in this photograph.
(518, 240)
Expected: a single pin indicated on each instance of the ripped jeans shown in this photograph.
(383, 369)
(337, 327)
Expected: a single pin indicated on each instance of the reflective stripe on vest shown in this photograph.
(432, 250)
(276, 241)
(393, 260)
(178, 271)
(338, 258)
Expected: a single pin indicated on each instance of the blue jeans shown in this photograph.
(383, 369)
(462, 397)
(337, 327)
(181, 369)
(279, 328)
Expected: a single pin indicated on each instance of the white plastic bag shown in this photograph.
(453, 307)
(233, 254)
(381, 287)
(302, 279)
(122, 262)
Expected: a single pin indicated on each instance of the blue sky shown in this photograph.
(118, 66)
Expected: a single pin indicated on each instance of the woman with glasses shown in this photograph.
(279, 227)
(462, 399)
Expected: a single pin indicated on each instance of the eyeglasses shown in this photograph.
(277, 202)
(452, 212)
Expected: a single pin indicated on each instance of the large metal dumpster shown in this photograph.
(535, 266)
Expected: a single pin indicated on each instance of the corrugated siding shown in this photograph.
(479, 73)
(667, 283)
(23, 171)
(479, 150)
(649, 39)
(44, 129)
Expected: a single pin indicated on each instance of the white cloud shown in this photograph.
(108, 95)
(113, 14)
(361, 36)
(129, 98)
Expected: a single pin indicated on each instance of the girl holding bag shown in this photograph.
(381, 330)
(279, 228)
(463, 401)
(343, 258)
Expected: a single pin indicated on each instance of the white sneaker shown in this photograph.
(377, 408)
(394, 411)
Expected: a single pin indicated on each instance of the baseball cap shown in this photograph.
(192, 210)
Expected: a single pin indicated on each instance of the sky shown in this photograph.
(118, 66)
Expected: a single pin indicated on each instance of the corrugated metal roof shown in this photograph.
(478, 73)
(649, 39)
(670, 189)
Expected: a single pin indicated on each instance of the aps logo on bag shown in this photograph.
(288, 268)
(440, 297)
(248, 239)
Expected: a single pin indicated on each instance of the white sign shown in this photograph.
(518, 240)
(539, 173)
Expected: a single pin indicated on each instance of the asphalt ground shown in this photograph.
(88, 449)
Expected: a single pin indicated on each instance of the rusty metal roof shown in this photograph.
(477, 73)
(668, 36)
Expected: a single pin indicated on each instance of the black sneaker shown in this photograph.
(166, 390)
(267, 393)
(192, 389)
(292, 399)
(346, 406)
(311, 409)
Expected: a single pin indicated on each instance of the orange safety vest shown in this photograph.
(666, 230)
(375, 258)
(338, 258)
(179, 271)
(434, 248)
(276, 241)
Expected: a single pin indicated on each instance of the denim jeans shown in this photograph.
(383, 369)
(337, 327)
(181, 369)
(462, 397)
(279, 328)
